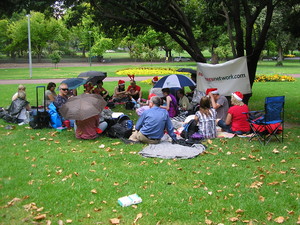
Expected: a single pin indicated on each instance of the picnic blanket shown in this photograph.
(167, 150)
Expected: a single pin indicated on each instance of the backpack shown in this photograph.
(122, 128)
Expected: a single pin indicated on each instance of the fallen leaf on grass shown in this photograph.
(239, 211)
(261, 198)
(116, 143)
(275, 151)
(138, 216)
(256, 184)
(114, 221)
(40, 217)
(298, 222)
(279, 219)
(209, 222)
(69, 221)
(12, 202)
(273, 183)
(233, 219)
(94, 191)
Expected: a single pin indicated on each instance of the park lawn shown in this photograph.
(234, 182)
(52, 173)
(290, 67)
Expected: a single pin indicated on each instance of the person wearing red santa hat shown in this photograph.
(153, 90)
(218, 102)
(120, 92)
(236, 120)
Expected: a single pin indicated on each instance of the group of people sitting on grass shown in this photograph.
(156, 114)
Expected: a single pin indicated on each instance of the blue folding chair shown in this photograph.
(271, 123)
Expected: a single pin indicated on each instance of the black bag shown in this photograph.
(129, 105)
(189, 129)
(42, 117)
(122, 129)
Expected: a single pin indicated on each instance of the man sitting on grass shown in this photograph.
(152, 123)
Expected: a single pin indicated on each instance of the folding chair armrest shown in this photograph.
(253, 111)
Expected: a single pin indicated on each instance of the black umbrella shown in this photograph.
(188, 70)
(93, 74)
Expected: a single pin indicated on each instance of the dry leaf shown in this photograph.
(261, 198)
(60, 222)
(209, 193)
(256, 184)
(239, 211)
(209, 222)
(40, 217)
(94, 191)
(279, 219)
(275, 151)
(298, 222)
(114, 221)
(69, 221)
(233, 219)
(138, 216)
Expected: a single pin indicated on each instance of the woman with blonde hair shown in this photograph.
(21, 87)
(206, 119)
(236, 120)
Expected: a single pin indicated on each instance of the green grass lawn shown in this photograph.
(44, 172)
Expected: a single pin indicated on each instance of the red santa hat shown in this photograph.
(238, 96)
(121, 82)
(212, 90)
(155, 79)
(151, 95)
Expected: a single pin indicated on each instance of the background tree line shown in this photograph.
(225, 27)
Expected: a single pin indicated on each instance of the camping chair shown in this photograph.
(271, 123)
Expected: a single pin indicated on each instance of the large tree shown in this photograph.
(185, 21)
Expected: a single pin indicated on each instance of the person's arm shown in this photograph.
(167, 107)
(170, 129)
(140, 94)
(51, 97)
(228, 119)
(214, 104)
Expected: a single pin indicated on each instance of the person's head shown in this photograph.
(51, 86)
(121, 83)
(22, 95)
(155, 101)
(166, 91)
(88, 86)
(132, 83)
(237, 98)
(205, 102)
(21, 87)
(63, 89)
(100, 83)
(214, 92)
(154, 80)
(180, 93)
(204, 105)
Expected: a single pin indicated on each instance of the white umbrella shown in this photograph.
(174, 81)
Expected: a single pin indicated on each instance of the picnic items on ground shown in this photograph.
(129, 200)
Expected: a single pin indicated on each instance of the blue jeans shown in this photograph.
(227, 128)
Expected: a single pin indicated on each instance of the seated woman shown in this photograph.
(89, 128)
(100, 90)
(88, 88)
(50, 93)
(134, 91)
(120, 92)
(21, 87)
(236, 121)
(18, 109)
(171, 103)
(183, 103)
(206, 119)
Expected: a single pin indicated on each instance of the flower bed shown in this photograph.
(155, 71)
(274, 78)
